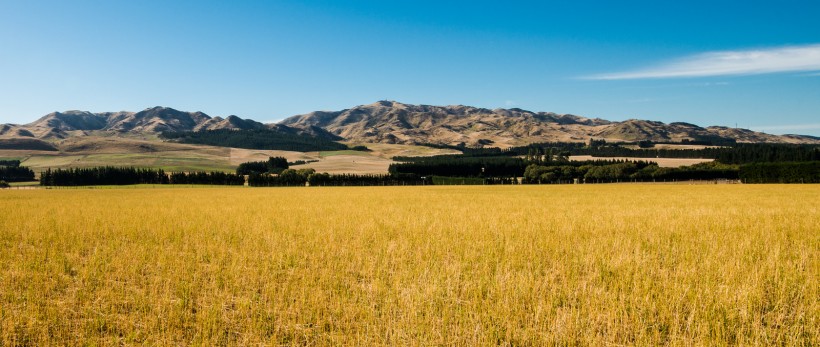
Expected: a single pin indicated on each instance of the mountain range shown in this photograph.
(397, 123)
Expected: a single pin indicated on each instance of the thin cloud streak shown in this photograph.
(727, 63)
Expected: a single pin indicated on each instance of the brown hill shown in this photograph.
(118, 145)
(231, 122)
(70, 120)
(159, 119)
(61, 125)
(9, 130)
(25, 144)
(394, 122)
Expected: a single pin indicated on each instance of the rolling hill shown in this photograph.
(61, 125)
(394, 122)
(391, 122)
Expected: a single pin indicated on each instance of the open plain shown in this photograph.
(480, 265)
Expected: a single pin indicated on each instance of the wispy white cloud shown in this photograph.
(724, 63)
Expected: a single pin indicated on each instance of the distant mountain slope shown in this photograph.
(394, 122)
(70, 120)
(25, 144)
(155, 119)
(281, 138)
(10, 130)
(59, 125)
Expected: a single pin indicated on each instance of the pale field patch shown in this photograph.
(387, 151)
(149, 152)
(353, 164)
(444, 265)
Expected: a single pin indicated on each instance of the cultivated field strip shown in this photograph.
(483, 265)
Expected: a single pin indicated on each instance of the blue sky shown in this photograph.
(754, 64)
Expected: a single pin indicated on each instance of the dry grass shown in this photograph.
(586, 265)
(355, 164)
(388, 151)
(91, 151)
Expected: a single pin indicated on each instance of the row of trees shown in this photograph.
(768, 153)
(460, 166)
(273, 165)
(16, 173)
(128, 175)
(455, 181)
(627, 171)
(286, 178)
(794, 172)
(777, 172)
(107, 175)
(302, 177)
(603, 172)
(602, 149)
(548, 163)
(10, 163)
(731, 153)
(328, 180)
(215, 178)
(301, 162)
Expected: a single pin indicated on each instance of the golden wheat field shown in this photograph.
(485, 265)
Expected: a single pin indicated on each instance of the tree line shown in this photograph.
(768, 153)
(335, 180)
(273, 165)
(588, 172)
(627, 171)
(774, 172)
(730, 153)
(12, 171)
(303, 177)
(213, 177)
(738, 153)
(10, 162)
(498, 167)
(549, 163)
(791, 172)
(129, 175)
(537, 163)
(461, 166)
(455, 181)
(286, 178)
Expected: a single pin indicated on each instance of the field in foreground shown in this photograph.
(484, 265)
